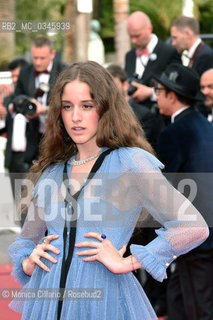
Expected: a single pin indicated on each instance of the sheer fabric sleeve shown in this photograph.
(183, 227)
(33, 230)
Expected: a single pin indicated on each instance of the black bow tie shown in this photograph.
(37, 73)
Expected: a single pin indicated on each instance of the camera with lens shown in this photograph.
(23, 105)
(132, 88)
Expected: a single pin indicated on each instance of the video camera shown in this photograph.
(132, 88)
(23, 104)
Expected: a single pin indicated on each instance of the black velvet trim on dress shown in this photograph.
(66, 262)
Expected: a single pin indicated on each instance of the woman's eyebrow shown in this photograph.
(81, 101)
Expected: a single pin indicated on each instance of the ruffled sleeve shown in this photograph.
(33, 230)
(18, 272)
(44, 191)
(183, 227)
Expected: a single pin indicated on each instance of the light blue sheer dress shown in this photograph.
(128, 181)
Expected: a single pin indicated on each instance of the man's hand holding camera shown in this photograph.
(30, 107)
(142, 93)
(138, 91)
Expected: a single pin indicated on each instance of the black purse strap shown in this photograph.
(73, 225)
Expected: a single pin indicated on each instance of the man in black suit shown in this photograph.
(35, 81)
(147, 119)
(150, 55)
(186, 149)
(185, 33)
(13, 160)
(206, 84)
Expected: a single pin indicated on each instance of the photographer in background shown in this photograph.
(14, 67)
(149, 122)
(12, 159)
(35, 82)
(150, 55)
(29, 106)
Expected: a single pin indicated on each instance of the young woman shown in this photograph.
(95, 175)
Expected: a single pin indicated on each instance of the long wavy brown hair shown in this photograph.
(117, 127)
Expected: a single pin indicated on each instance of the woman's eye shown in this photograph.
(66, 107)
(87, 106)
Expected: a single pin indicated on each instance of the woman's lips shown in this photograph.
(78, 129)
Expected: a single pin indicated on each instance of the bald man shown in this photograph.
(206, 84)
(149, 56)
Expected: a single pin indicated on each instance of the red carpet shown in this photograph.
(6, 282)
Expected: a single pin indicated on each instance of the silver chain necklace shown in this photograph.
(80, 162)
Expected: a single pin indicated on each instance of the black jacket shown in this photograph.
(26, 86)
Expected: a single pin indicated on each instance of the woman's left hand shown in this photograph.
(105, 252)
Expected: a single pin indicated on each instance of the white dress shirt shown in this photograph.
(40, 79)
(142, 61)
(187, 55)
(177, 113)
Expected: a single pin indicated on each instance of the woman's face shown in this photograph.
(79, 114)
